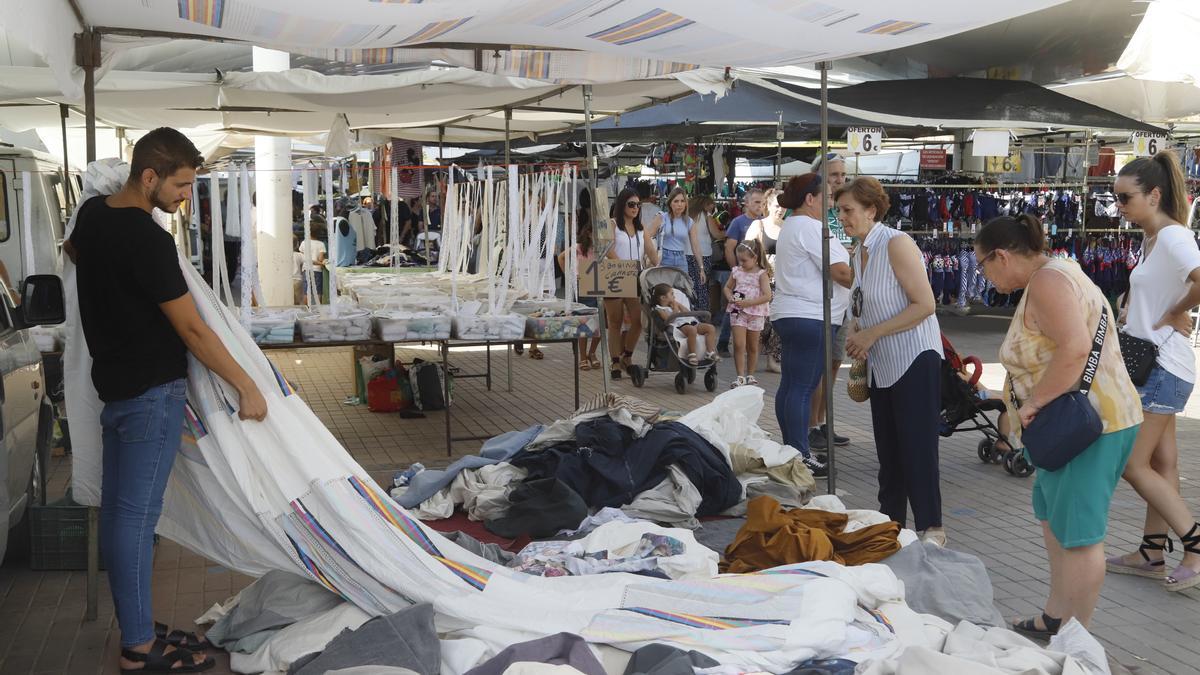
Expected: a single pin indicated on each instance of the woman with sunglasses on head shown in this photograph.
(895, 329)
(798, 309)
(630, 242)
(1049, 344)
(1163, 289)
(680, 239)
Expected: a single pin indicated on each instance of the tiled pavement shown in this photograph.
(987, 511)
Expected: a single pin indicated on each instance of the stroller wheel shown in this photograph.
(691, 375)
(1009, 458)
(638, 375)
(681, 380)
(710, 379)
(997, 454)
(985, 450)
(1021, 467)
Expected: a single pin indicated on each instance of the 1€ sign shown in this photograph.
(1146, 144)
(607, 278)
(864, 140)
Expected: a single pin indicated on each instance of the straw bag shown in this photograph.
(857, 387)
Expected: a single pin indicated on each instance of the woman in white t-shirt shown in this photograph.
(798, 308)
(1163, 289)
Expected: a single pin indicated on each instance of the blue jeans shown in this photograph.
(803, 363)
(318, 282)
(726, 329)
(676, 259)
(141, 436)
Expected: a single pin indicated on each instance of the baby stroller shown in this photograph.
(964, 410)
(661, 346)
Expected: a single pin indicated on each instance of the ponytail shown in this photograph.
(1164, 172)
(1023, 235)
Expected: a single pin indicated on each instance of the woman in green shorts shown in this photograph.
(1044, 353)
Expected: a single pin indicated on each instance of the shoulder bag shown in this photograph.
(1140, 355)
(1069, 424)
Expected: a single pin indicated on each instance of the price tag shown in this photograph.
(864, 140)
(1000, 164)
(1146, 144)
(606, 278)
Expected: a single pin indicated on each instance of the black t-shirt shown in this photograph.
(126, 266)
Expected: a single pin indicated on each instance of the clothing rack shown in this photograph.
(981, 186)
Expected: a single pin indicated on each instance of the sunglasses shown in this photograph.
(856, 302)
(1124, 197)
(632, 205)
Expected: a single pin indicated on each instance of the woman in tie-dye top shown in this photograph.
(1047, 346)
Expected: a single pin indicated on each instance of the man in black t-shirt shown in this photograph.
(140, 322)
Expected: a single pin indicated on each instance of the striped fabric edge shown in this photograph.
(705, 622)
(475, 576)
(893, 27)
(207, 12)
(636, 406)
(649, 25)
(432, 31)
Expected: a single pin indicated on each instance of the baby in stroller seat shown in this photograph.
(685, 330)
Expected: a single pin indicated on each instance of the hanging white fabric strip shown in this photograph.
(27, 225)
(251, 289)
(394, 238)
(220, 272)
(233, 216)
(310, 199)
(331, 230)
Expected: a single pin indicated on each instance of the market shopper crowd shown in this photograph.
(1063, 335)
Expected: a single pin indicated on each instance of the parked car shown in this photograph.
(26, 414)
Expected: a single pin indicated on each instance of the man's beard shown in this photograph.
(157, 201)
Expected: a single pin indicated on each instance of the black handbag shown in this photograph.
(1140, 355)
(1068, 424)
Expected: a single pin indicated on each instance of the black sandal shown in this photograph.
(615, 370)
(158, 660)
(179, 638)
(1028, 627)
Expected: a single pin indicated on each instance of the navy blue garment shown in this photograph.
(825, 667)
(607, 466)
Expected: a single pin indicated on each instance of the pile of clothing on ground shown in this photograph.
(919, 609)
(615, 452)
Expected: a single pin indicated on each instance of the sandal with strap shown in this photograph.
(179, 638)
(159, 660)
(1183, 577)
(1028, 627)
(1149, 568)
(584, 364)
(615, 369)
(536, 354)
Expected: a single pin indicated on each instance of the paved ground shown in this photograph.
(987, 511)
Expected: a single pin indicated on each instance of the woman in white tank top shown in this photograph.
(630, 242)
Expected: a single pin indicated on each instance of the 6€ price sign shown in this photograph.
(1146, 144)
(1004, 164)
(864, 140)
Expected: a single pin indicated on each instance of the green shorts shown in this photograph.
(1074, 500)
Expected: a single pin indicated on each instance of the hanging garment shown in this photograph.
(773, 536)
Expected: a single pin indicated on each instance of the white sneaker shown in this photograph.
(935, 536)
(737, 382)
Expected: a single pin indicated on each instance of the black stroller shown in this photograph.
(661, 346)
(963, 410)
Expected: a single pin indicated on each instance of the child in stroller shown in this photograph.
(674, 332)
(965, 404)
(670, 302)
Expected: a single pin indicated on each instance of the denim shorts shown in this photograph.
(1164, 394)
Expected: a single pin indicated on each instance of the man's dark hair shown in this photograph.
(165, 150)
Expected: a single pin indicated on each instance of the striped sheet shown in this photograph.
(207, 12)
(652, 24)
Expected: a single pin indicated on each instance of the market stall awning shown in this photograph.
(1148, 100)
(966, 102)
(551, 40)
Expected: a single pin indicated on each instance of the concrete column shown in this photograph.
(273, 185)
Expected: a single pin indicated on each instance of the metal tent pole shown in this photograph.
(605, 356)
(64, 111)
(87, 56)
(826, 279)
(779, 148)
(507, 138)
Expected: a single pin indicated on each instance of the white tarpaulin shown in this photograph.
(667, 35)
(1146, 100)
(1164, 46)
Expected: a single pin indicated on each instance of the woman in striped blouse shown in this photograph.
(894, 328)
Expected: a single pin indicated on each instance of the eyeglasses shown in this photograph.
(1124, 197)
(632, 205)
(856, 302)
(988, 257)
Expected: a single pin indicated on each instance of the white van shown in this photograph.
(30, 251)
